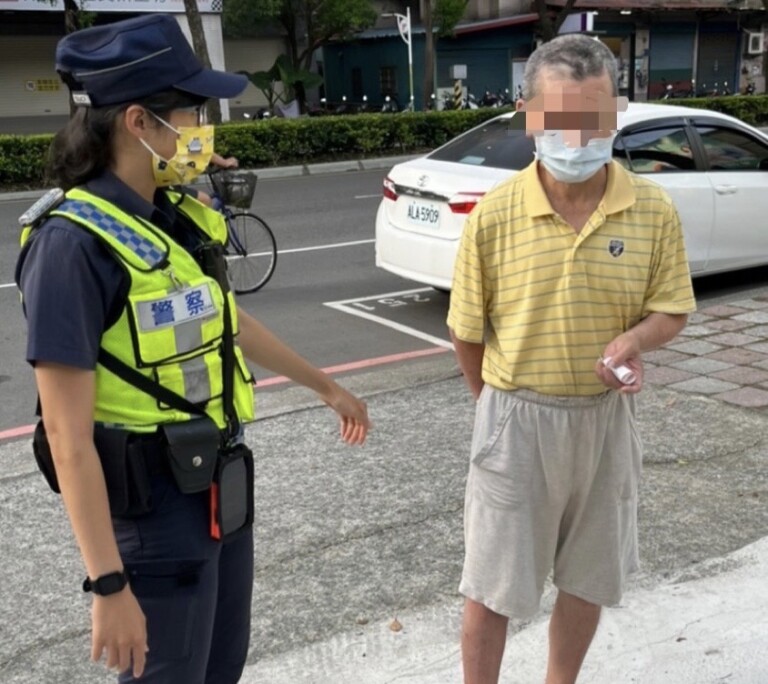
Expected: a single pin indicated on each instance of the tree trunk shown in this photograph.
(201, 50)
(70, 26)
(70, 16)
(429, 57)
(299, 59)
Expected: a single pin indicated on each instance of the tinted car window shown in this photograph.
(731, 150)
(494, 144)
(655, 151)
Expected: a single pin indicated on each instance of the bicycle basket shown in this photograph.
(235, 189)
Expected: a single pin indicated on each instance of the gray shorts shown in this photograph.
(552, 487)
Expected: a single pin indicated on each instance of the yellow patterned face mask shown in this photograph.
(194, 149)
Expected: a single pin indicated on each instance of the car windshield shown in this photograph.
(493, 144)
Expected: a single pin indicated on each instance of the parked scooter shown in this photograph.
(262, 113)
(490, 99)
(390, 106)
(675, 93)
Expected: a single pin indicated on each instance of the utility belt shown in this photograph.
(191, 453)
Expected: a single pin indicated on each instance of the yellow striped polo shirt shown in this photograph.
(546, 300)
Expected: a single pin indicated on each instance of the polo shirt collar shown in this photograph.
(109, 187)
(619, 191)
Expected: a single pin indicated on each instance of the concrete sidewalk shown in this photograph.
(348, 540)
(708, 625)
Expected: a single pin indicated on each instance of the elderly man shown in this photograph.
(566, 274)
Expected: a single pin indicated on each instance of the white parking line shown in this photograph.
(295, 250)
(346, 306)
(378, 194)
(333, 245)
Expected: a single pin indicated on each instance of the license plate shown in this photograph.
(423, 214)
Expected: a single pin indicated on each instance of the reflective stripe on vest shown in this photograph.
(143, 248)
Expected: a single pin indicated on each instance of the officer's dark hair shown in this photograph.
(83, 150)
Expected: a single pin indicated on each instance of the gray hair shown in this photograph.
(575, 56)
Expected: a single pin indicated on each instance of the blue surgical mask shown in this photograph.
(572, 164)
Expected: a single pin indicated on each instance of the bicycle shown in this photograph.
(251, 249)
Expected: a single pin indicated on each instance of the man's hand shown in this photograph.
(470, 359)
(623, 350)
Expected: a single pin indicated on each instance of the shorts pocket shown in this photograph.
(491, 418)
(167, 591)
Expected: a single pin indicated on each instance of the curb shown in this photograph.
(268, 173)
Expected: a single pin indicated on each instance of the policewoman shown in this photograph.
(138, 351)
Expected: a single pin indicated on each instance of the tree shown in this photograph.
(201, 49)
(289, 78)
(443, 15)
(308, 24)
(76, 17)
(551, 20)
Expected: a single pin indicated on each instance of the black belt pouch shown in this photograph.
(192, 448)
(125, 471)
(123, 464)
(232, 493)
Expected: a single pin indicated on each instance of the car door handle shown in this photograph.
(725, 189)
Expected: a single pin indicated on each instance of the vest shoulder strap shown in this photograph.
(88, 214)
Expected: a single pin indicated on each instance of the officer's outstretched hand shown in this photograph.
(119, 628)
(352, 412)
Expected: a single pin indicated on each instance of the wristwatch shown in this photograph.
(106, 584)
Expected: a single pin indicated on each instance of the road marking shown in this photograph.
(295, 250)
(26, 430)
(333, 245)
(344, 306)
(17, 432)
(378, 194)
(357, 365)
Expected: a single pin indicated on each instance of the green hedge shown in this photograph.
(22, 159)
(282, 142)
(752, 109)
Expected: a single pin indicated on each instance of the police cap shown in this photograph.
(135, 58)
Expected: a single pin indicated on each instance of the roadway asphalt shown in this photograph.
(348, 541)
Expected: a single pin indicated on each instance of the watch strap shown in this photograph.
(105, 585)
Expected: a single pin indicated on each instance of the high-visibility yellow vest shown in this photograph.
(172, 327)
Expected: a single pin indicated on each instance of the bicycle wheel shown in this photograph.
(251, 252)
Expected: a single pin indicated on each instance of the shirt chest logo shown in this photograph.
(616, 248)
(186, 305)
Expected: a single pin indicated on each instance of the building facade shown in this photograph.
(34, 99)
(699, 47)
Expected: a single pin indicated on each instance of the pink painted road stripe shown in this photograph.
(26, 430)
(356, 365)
(17, 432)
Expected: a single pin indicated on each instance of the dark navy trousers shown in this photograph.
(195, 592)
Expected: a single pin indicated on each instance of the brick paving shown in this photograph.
(722, 353)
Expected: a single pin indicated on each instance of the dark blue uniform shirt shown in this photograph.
(73, 289)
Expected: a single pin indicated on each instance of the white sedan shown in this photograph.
(714, 166)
